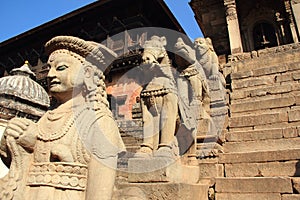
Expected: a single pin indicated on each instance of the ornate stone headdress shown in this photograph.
(95, 53)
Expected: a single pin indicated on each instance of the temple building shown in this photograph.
(238, 26)
(102, 21)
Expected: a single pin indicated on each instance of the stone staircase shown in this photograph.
(261, 158)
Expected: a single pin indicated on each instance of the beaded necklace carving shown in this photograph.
(45, 136)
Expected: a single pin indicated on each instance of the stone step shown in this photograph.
(290, 197)
(261, 104)
(266, 169)
(248, 196)
(263, 58)
(253, 135)
(254, 185)
(166, 191)
(262, 145)
(250, 120)
(260, 156)
(264, 90)
(262, 134)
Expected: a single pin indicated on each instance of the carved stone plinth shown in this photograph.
(166, 191)
(159, 169)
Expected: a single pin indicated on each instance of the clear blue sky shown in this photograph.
(18, 16)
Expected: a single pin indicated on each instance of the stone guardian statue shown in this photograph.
(71, 152)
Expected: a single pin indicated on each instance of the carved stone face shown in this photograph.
(65, 74)
(184, 54)
(201, 45)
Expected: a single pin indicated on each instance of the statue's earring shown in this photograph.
(89, 78)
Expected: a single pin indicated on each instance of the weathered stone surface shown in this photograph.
(294, 66)
(294, 115)
(290, 132)
(214, 85)
(262, 119)
(254, 185)
(273, 125)
(290, 197)
(211, 170)
(296, 184)
(297, 99)
(241, 75)
(268, 169)
(274, 89)
(264, 156)
(296, 75)
(262, 145)
(283, 78)
(251, 135)
(166, 191)
(245, 83)
(151, 169)
(239, 94)
(159, 169)
(247, 196)
(263, 104)
(270, 70)
(261, 91)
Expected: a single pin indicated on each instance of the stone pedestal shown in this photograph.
(161, 178)
(159, 169)
(166, 191)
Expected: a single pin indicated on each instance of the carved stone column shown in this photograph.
(293, 8)
(233, 27)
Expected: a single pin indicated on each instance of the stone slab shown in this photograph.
(248, 196)
(211, 170)
(251, 135)
(296, 75)
(251, 105)
(263, 156)
(262, 145)
(166, 191)
(294, 66)
(294, 115)
(290, 132)
(283, 78)
(258, 119)
(268, 169)
(254, 185)
(290, 197)
(252, 82)
(261, 91)
(270, 70)
(158, 169)
(241, 75)
(151, 169)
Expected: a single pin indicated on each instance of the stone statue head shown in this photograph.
(202, 45)
(77, 67)
(154, 50)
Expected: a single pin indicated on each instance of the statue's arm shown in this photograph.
(105, 145)
(101, 178)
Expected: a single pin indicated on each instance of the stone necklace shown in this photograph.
(46, 133)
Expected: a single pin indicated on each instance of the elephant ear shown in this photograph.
(163, 40)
